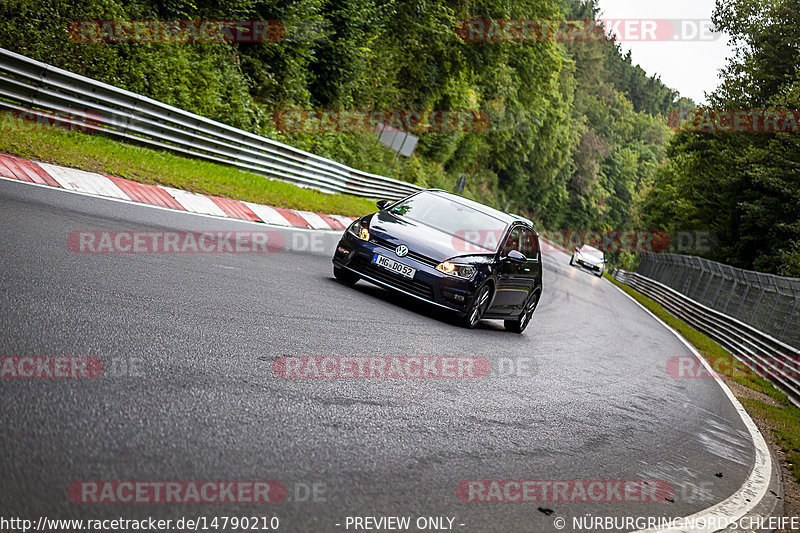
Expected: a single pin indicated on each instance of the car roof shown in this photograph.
(505, 217)
(590, 249)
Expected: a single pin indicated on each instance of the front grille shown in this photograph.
(419, 288)
(414, 255)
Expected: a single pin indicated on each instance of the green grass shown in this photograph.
(784, 419)
(95, 153)
(786, 424)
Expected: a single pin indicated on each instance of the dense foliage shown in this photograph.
(745, 187)
(578, 137)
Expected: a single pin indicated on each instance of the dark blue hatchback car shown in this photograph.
(457, 254)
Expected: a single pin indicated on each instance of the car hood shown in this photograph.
(589, 260)
(420, 238)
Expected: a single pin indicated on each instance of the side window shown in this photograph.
(530, 244)
(513, 241)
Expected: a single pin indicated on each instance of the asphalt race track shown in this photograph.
(189, 393)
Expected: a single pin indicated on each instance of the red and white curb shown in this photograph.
(124, 189)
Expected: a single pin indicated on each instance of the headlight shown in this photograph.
(457, 270)
(359, 230)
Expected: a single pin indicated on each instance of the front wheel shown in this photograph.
(478, 307)
(518, 325)
(345, 276)
(572, 260)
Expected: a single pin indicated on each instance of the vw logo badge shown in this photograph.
(401, 250)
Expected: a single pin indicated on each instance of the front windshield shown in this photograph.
(592, 253)
(453, 218)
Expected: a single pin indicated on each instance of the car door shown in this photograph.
(530, 247)
(513, 282)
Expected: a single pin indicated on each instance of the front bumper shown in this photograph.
(590, 266)
(428, 285)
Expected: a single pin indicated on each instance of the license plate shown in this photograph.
(395, 266)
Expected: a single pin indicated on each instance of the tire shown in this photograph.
(599, 274)
(477, 307)
(572, 260)
(345, 276)
(518, 325)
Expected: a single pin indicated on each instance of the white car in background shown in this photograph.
(590, 258)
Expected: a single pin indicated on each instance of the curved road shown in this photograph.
(188, 342)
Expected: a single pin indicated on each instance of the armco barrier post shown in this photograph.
(745, 295)
(32, 86)
(764, 354)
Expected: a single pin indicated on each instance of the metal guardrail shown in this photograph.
(767, 302)
(30, 86)
(765, 355)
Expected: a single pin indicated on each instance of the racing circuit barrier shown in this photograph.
(766, 302)
(48, 93)
(765, 355)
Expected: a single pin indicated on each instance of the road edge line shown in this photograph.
(755, 489)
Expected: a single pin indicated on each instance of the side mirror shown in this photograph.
(383, 203)
(516, 255)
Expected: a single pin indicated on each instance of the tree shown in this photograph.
(743, 185)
